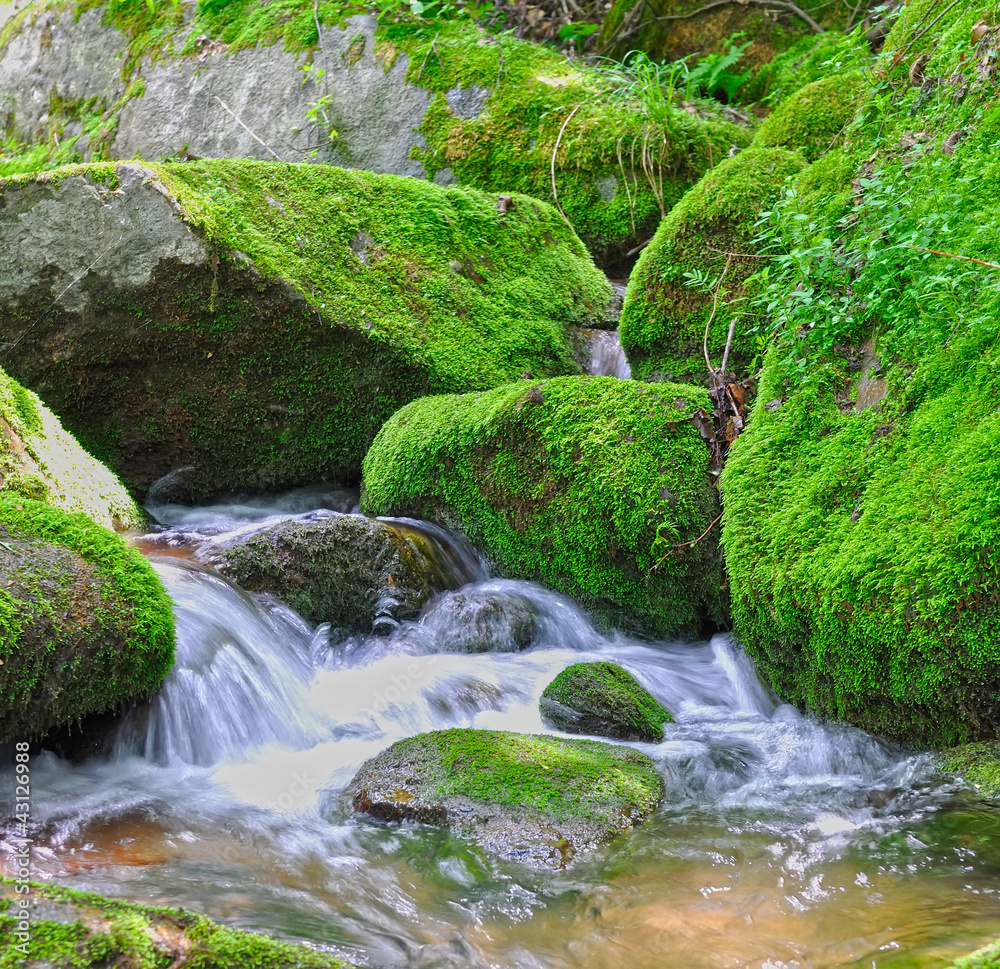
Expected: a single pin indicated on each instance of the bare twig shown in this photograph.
(772, 4)
(729, 343)
(899, 55)
(715, 306)
(555, 196)
(951, 255)
(433, 48)
(236, 118)
(640, 247)
(693, 541)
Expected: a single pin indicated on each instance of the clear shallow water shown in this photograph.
(781, 842)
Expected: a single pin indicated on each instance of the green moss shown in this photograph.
(607, 700)
(39, 459)
(92, 931)
(85, 621)
(809, 59)
(557, 778)
(979, 764)
(862, 507)
(663, 321)
(985, 958)
(584, 484)
(813, 120)
(404, 287)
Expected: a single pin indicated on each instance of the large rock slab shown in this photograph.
(440, 99)
(260, 321)
(535, 798)
(86, 623)
(593, 486)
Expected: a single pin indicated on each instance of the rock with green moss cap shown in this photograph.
(259, 322)
(589, 485)
(40, 460)
(347, 570)
(603, 699)
(86, 623)
(664, 317)
(439, 98)
(86, 931)
(813, 119)
(977, 764)
(539, 799)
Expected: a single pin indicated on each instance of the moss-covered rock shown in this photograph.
(664, 317)
(82, 930)
(813, 119)
(346, 570)
(862, 512)
(438, 98)
(40, 460)
(978, 764)
(811, 58)
(535, 798)
(585, 484)
(84, 621)
(260, 321)
(986, 958)
(603, 699)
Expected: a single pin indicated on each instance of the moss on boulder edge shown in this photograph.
(977, 764)
(88, 931)
(346, 570)
(663, 319)
(536, 798)
(40, 460)
(260, 321)
(581, 483)
(986, 958)
(603, 699)
(85, 622)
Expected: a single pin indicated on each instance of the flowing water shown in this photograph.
(781, 842)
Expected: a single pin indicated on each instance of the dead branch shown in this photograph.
(715, 306)
(555, 196)
(693, 541)
(951, 255)
(236, 118)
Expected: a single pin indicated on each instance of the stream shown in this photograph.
(781, 842)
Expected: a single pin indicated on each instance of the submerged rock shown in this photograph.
(88, 931)
(483, 621)
(603, 699)
(40, 460)
(534, 798)
(86, 623)
(586, 484)
(258, 322)
(347, 570)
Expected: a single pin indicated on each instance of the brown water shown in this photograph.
(781, 842)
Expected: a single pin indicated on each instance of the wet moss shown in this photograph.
(664, 317)
(978, 764)
(40, 460)
(814, 119)
(85, 622)
(811, 58)
(986, 958)
(603, 699)
(88, 931)
(328, 299)
(584, 484)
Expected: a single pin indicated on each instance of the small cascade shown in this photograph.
(240, 679)
(607, 358)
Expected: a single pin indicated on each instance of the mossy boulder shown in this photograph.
(664, 317)
(986, 958)
(40, 460)
(535, 798)
(88, 931)
(977, 764)
(862, 525)
(84, 622)
(437, 98)
(483, 621)
(603, 699)
(813, 119)
(588, 485)
(259, 321)
(347, 570)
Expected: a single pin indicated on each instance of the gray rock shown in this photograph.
(483, 621)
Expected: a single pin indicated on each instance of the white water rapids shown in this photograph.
(781, 841)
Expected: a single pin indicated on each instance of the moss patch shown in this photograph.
(986, 958)
(85, 621)
(505, 789)
(663, 320)
(88, 931)
(583, 484)
(979, 764)
(327, 299)
(603, 699)
(40, 460)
